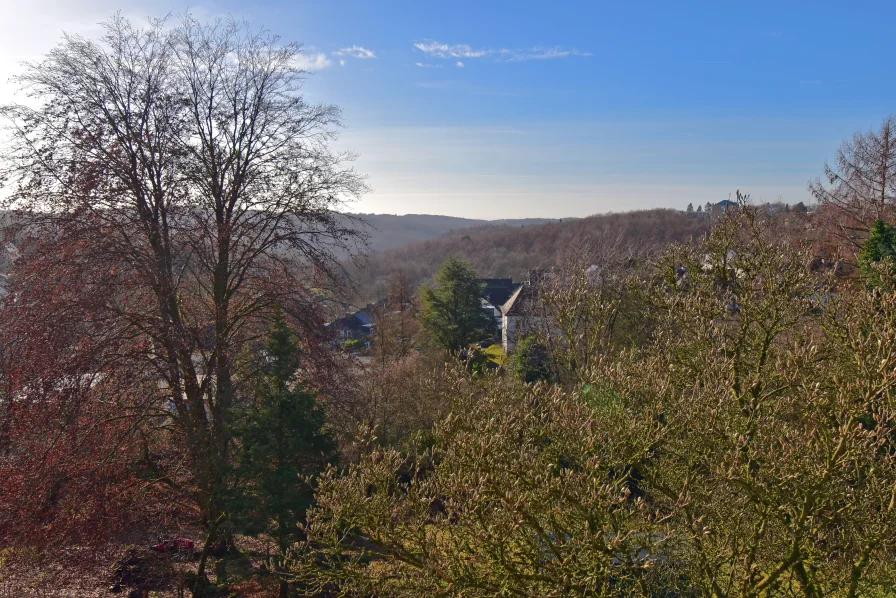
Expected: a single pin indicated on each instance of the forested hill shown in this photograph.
(510, 250)
(388, 231)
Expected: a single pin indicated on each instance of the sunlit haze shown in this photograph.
(535, 109)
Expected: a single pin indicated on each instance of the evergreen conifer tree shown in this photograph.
(452, 308)
(880, 247)
(283, 439)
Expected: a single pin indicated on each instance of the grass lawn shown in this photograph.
(496, 354)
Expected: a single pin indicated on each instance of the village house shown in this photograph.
(495, 293)
(723, 206)
(348, 327)
(519, 314)
(357, 325)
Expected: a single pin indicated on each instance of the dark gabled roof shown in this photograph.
(522, 302)
(350, 322)
(497, 290)
(365, 316)
(726, 203)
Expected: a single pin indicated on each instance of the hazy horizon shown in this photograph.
(523, 110)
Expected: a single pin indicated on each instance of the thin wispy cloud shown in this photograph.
(312, 62)
(542, 53)
(436, 49)
(424, 65)
(459, 64)
(317, 61)
(359, 52)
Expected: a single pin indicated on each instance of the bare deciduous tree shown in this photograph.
(861, 185)
(200, 188)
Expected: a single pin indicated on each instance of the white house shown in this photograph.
(519, 315)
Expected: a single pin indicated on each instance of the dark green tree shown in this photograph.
(879, 248)
(283, 440)
(452, 307)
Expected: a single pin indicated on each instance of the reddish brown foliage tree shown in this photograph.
(172, 187)
(78, 463)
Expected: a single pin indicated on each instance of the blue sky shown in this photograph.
(566, 108)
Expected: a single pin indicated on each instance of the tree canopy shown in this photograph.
(283, 443)
(745, 448)
(878, 253)
(859, 187)
(453, 316)
(173, 186)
